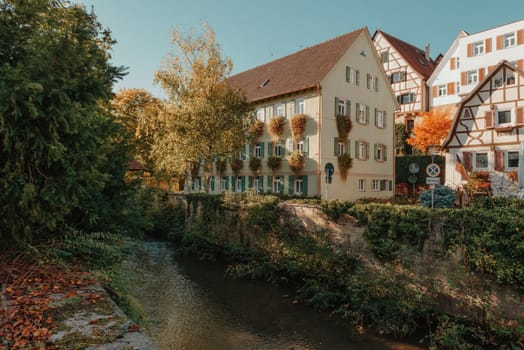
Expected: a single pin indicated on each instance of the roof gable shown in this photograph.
(445, 59)
(296, 72)
(414, 56)
(456, 119)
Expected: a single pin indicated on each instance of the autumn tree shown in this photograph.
(59, 149)
(138, 111)
(432, 129)
(205, 116)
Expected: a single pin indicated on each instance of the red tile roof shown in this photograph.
(296, 72)
(413, 55)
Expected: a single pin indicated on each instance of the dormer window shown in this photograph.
(508, 40)
(478, 48)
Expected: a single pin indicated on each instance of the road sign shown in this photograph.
(413, 168)
(330, 169)
(412, 179)
(432, 180)
(433, 170)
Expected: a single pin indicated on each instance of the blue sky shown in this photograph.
(255, 32)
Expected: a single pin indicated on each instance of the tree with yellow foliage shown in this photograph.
(205, 116)
(432, 129)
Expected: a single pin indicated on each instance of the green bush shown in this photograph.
(334, 209)
(443, 197)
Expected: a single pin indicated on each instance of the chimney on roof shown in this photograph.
(426, 51)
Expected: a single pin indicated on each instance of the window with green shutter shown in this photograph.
(261, 184)
(212, 183)
(348, 108)
(243, 152)
(269, 149)
(367, 114)
(357, 77)
(290, 185)
(348, 73)
(304, 185)
(390, 185)
(335, 145)
(382, 185)
(356, 150)
(384, 152)
(270, 184)
(357, 112)
(336, 106)
(250, 150)
(243, 183)
(250, 182)
(262, 149)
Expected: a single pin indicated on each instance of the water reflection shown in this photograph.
(192, 305)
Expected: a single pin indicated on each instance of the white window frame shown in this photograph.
(379, 156)
(507, 160)
(301, 106)
(280, 110)
(384, 56)
(256, 183)
(401, 76)
(351, 75)
(341, 107)
(476, 160)
(362, 114)
(341, 147)
(362, 185)
(299, 186)
(375, 185)
(300, 146)
(508, 40)
(478, 48)
(442, 90)
(223, 182)
(472, 77)
(258, 150)
(499, 124)
(239, 184)
(380, 119)
(261, 114)
(269, 113)
(363, 150)
(279, 150)
(276, 184)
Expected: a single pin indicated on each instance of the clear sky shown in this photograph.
(253, 32)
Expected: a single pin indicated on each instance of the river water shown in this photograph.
(192, 305)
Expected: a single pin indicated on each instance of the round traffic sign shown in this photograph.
(433, 170)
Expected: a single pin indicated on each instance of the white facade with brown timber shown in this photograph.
(488, 133)
(471, 58)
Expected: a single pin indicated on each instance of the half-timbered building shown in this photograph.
(487, 136)
(408, 68)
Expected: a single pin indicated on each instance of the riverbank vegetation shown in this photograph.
(373, 285)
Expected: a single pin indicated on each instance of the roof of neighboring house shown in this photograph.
(475, 91)
(413, 55)
(440, 62)
(299, 71)
(135, 165)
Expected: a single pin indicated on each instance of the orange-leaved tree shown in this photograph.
(432, 129)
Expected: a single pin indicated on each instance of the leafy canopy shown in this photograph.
(431, 130)
(205, 117)
(57, 143)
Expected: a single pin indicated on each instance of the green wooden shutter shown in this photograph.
(384, 152)
(390, 185)
(376, 123)
(385, 118)
(262, 149)
(356, 149)
(336, 106)
(250, 150)
(347, 74)
(366, 150)
(348, 108)
(290, 185)
(357, 111)
(335, 149)
(304, 185)
(367, 114)
(243, 156)
(357, 77)
(269, 149)
(270, 183)
(243, 185)
(227, 183)
(212, 183)
(382, 185)
(250, 182)
(375, 148)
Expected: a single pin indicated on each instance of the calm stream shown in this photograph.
(193, 305)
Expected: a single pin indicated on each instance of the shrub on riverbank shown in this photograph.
(331, 277)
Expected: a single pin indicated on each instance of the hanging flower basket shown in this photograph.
(237, 165)
(298, 125)
(513, 176)
(220, 165)
(276, 127)
(296, 162)
(344, 126)
(344, 164)
(274, 162)
(255, 164)
(256, 129)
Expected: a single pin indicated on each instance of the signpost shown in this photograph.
(330, 170)
(433, 171)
